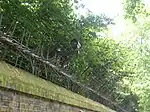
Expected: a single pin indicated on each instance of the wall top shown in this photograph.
(20, 80)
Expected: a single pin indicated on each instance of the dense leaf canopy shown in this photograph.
(118, 71)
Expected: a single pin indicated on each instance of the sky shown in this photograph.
(111, 8)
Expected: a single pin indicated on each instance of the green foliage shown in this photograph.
(138, 41)
(44, 25)
(134, 8)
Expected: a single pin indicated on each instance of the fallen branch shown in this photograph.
(26, 51)
(13, 43)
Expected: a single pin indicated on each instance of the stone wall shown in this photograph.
(14, 101)
(21, 91)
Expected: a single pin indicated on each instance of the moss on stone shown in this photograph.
(20, 80)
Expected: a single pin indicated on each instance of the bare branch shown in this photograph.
(13, 43)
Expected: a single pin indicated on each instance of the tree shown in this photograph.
(134, 8)
(46, 26)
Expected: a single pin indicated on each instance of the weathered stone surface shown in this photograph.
(14, 101)
(22, 92)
